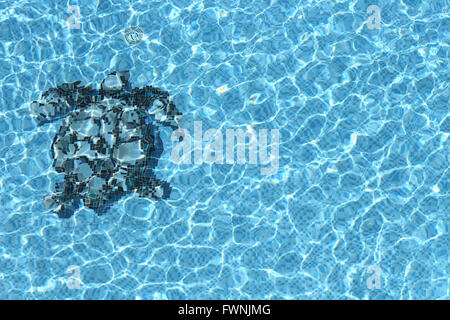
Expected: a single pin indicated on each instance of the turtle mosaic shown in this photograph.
(108, 143)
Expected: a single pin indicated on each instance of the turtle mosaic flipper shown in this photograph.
(56, 103)
(108, 143)
(158, 104)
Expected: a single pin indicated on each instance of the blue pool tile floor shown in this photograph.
(356, 208)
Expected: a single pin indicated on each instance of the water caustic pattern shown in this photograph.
(359, 205)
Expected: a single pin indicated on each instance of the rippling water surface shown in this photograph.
(359, 206)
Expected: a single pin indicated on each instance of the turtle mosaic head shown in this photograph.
(115, 81)
(108, 143)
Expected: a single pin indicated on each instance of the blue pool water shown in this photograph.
(358, 208)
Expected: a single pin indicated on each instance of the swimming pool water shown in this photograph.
(358, 208)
